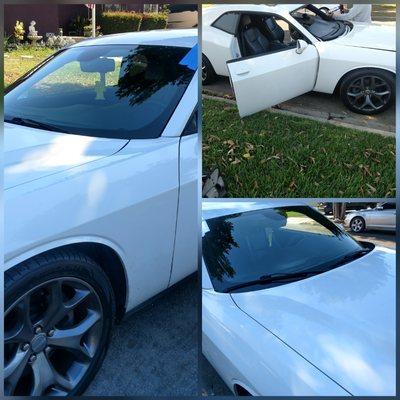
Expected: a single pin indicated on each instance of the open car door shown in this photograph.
(265, 80)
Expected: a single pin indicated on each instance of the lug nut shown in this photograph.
(38, 329)
(51, 333)
(25, 347)
(32, 358)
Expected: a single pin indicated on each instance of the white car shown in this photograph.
(293, 306)
(382, 217)
(101, 165)
(273, 54)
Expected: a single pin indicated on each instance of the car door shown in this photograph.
(219, 43)
(186, 237)
(385, 217)
(265, 80)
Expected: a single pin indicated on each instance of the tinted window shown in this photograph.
(127, 92)
(242, 247)
(192, 125)
(227, 23)
(388, 206)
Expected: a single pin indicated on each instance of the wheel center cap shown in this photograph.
(39, 343)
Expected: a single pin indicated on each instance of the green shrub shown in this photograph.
(119, 21)
(153, 21)
(77, 25)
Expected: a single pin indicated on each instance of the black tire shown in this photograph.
(357, 225)
(30, 279)
(368, 91)
(208, 74)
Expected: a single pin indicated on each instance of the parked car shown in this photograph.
(294, 306)
(328, 207)
(382, 217)
(101, 155)
(273, 54)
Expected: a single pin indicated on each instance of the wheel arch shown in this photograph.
(109, 257)
(347, 73)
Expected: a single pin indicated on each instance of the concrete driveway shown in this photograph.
(318, 105)
(154, 352)
(213, 385)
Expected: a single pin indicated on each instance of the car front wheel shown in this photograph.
(207, 71)
(357, 224)
(368, 91)
(59, 311)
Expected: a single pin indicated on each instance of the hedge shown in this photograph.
(119, 21)
(153, 21)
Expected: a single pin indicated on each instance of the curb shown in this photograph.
(318, 119)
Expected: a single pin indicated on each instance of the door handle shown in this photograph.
(242, 72)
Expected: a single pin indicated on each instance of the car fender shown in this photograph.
(243, 351)
(332, 68)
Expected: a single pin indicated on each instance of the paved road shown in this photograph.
(154, 352)
(213, 385)
(320, 105)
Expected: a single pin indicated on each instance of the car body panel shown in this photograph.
(342, 321)
(258, 81)
(243, 352)
(186, 251)
(126, 197)
(34, 153)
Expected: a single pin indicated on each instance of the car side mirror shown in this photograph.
(301, 45)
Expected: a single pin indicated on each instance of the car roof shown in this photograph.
(218, 208)
(162, 37)
(212, 12)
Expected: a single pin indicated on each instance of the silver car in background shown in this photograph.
(383, 217)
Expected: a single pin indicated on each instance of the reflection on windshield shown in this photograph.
(242, 247)
(125, 91)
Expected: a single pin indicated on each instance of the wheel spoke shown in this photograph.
(14, 369)
(71, 338)
(368, 103)
(43, 375)
(24, 332)
(58, 309)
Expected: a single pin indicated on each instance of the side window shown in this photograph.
(389, 206)
(192, 125)
(227, 22)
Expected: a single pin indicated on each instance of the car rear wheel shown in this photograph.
(59, 311)
(368, 91)
(208, 74)
(357, 225)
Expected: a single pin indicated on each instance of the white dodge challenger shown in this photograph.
(101, 155)
(292, 305)
(273, 54)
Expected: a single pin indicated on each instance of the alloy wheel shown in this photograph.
(368, 93)
(357, 225)
(51, 335)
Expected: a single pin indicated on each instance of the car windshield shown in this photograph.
(319, 24)
(111, 91)
(256, 246)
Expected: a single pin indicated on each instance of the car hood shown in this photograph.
(31, 153)
(370, 36)
(342, 321)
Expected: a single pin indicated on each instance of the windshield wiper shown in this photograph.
(34, 124)
(290, 276)
(277, 277)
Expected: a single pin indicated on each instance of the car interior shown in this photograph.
(263, 33)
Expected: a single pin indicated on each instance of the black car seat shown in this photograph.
(277, 33)
(254, 41)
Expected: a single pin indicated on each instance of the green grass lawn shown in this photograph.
(274, 155)
(15, 65)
